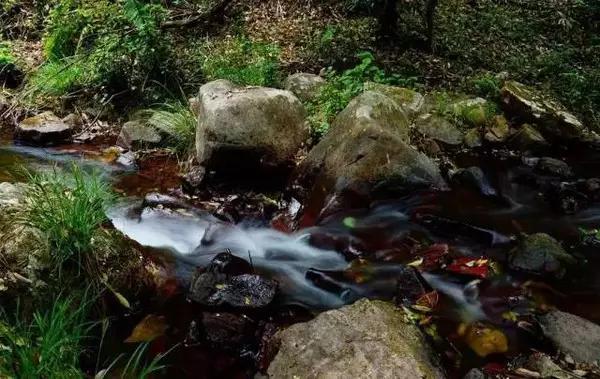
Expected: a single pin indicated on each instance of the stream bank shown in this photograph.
(381, 208)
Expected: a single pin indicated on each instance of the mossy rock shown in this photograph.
(368, 339)
(541, 254)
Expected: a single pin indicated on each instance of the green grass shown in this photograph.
(179, 123)
(47, 347)
(242, 61)
(68, 209)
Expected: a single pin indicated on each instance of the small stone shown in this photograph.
(45, 129)
(305, 86)
(137, 135)
(475, 373)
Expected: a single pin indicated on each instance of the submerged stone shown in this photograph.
(474, 178)
(541, 254)
(368, 339)
(554, 167)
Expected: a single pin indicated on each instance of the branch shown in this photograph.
(218, 7)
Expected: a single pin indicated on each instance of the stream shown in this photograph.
(367, 249)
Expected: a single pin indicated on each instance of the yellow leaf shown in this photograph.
(485, 340)
(149, 328)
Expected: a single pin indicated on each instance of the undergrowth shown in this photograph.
(68, 209)
(48, 346)
(340, 89)
(242, 61)
(178, 122)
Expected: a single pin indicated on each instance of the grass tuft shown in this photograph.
(179, 123)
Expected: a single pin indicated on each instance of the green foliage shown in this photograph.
(6, 55)
(242, 61)
(179, 123)
(487, 85)
(137, 366)
(340, 42)
(68, 209)
(56, 78)
(118, 44)
(335, 95)
(49, 346)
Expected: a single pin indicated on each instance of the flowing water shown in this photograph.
(361, 251)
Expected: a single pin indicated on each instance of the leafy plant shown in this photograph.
(118, 44)
(487, 85)
(341, 88)
(56, 78)
(179, 123)
(68, 210)
(242, 61)
(49, 346)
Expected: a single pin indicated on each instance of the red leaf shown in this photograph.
(479, 267)
(433, 257)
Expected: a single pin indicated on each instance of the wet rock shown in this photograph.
(554, 167)
(11, 194)
(243, 130)
(591, 188)
(546, 368)
(550, 117)
(225, 283)
(472, 138)
(368, 146)
(499, 131)
(305, 86)
(528, 138)
(226, 330)
(368, 339)
(242, 291)
(45, 129)
(138, 135)
(473, 178)
(541, 254)
(572, 335)
(565, 197)
(411, 101)
(73, 120)
(192, 179)
(475, 373)
(439, 129)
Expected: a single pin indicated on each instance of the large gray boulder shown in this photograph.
(368, 145)
(550, 117)
(439, 129)
(305, 86)
(572, 335)
(412, 102)
(248, 127)
(45, 129)
(368, 339)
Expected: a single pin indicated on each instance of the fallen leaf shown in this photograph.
(149, 328)
(484, 340)
(428, 300)
(349, 222)
(470, 266)
(433, 257)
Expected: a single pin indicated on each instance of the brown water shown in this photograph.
(359, 251)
